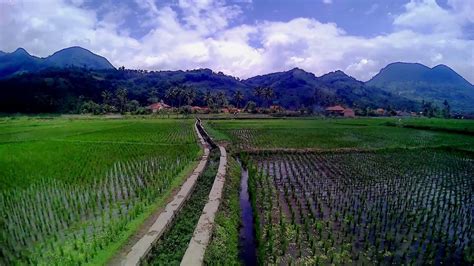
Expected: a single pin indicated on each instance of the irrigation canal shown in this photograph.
(247, 244)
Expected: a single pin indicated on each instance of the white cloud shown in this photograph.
(427, 16)
(327, 2)
(197, 33)
(372, 9)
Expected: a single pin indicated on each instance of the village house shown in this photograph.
(335, 110)
(158, 106)
(380, 111)
(340, 111)
(276, 109)
(348, 112)
(199, 109)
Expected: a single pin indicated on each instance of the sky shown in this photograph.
(245, 38)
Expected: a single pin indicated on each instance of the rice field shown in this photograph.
(322, 191)
(357, 191)
(336, 133)
(71, 188)
(390, 207)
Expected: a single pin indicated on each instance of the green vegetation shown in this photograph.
(334, 133)
(397, 206)
(447, 125)
(323, 191)
(73, 188)
(170, 249)
(223, 247)
(358, 191)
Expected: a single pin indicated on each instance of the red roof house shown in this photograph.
(348, 112)
(158, 106)
(340, 111)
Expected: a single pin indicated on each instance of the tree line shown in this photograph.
(180, 97)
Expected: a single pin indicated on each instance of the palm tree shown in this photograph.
(153, 96)
(121, 95)
(208, 98)
(238, 97)
(189, 95)
(258, 92)
(222, 99)
(107, 97)
(172, 94)
(268, 95)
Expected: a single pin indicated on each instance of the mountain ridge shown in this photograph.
(398, 85)
(419, 82)
(20, 61)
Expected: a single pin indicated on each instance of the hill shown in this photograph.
(17, 62)
(297, 87)
(419, 82)
(78, 57)
(20, 61)
(64, 89)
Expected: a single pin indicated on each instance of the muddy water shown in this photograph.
(248, 248)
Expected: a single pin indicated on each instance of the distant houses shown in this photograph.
(338, 110)
(199, 109)
(158, 107)
(277, 110)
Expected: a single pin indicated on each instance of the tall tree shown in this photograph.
(208, 99)
(238, 98)
(221, 99)
(446, 109)
(258, 92)
(172, 95)
(108, 102)
(107, 97)
(268, 95)
(121, 95)
(189, 95)
(153, 96)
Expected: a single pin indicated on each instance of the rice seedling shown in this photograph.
(393, 206)
(67, 195)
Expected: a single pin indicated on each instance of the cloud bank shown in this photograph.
(206, 33)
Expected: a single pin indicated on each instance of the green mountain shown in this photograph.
(64, 89)
(62, 81)
(77, 57)
(292, 88)
(17, 62)
(20, 61)
(297, 87)
(419, 82)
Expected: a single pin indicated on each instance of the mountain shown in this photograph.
(77, 57)
(20, 61)
(292, 88)
(63, 90)
(297, 87)
(419, 82)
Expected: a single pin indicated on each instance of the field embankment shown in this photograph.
(73, 190)
(341, 191)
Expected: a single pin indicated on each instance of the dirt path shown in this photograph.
(202, 234)
(141, 243)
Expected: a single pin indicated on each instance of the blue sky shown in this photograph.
(248, 37)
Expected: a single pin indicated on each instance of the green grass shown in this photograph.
(223, 248)
(335, 133)
(73, 190)
(172, 245)
(364, 207)
(109, 252)
(407, 156)
(438, 123)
